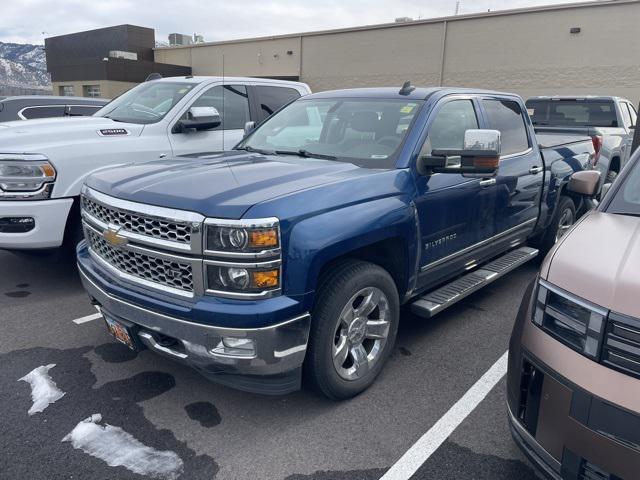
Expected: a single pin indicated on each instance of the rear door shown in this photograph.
(232, 102)
(521, 172)
(456, 213)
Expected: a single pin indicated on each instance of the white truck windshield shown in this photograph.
(146, 103)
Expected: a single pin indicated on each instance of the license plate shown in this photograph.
(120, 332)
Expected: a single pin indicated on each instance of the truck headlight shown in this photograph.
(25, 177)
(242, 236)
(570, 319)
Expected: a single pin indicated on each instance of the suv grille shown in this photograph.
(172, 274)
(141, 224)
(621, 349)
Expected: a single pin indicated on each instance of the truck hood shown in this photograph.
(221, 186)
(33, 136)
(599, 260)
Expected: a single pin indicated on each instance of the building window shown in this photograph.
(66, 90)
(92, 91)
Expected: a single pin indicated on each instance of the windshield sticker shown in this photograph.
(378, 157)
(110, 132)
(182, 90)
(531, 111)
(408, 108)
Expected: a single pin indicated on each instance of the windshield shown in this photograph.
(366, 132)
(146, 103)
(627, 199)
(573, 113)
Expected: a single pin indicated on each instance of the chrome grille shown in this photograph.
(168, 273)
(133, 222)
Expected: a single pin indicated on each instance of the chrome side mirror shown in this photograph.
(249, 127)
(585, 183)
(480, 155)
(200, 118)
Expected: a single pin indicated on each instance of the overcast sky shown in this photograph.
(30, 21)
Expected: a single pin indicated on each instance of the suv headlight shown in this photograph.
(26, 177)
(243, 258)
(571, 320)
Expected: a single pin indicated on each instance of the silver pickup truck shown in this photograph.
(609, 121)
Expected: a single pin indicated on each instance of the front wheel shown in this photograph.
(354, 325)
(563, 219)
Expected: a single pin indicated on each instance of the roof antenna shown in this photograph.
(407, 88)
(222, 116)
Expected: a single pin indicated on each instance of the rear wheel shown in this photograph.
(354, 325)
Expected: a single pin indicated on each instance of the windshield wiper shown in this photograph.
(305, 154)
(255, 150)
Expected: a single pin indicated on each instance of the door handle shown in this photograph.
(535, 170)
(487, 182)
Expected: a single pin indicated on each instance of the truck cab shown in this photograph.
(43, 163)
(289, 257)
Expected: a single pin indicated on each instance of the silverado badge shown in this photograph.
(112, 236)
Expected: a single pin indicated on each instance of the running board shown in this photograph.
(437, 300)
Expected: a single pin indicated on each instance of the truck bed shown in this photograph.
(548, 139)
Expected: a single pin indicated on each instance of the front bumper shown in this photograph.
(274, 367)
(571, 416)
(50, 221)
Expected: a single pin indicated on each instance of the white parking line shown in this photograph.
(88, 318)
(420, 452)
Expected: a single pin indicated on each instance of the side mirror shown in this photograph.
(200, 118)
(585, 183)
(249, 127)
(479, 155)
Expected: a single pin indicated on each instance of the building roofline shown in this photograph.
(451, 18)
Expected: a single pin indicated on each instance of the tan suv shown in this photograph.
(574, 359)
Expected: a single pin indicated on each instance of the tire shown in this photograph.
(563, 218)
(338, 326)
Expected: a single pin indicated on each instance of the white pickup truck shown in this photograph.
(43, 163)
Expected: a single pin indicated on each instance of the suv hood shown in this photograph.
(31, 136)
(599, 260)
(222, 186)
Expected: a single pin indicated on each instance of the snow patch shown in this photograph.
(119, 448)
(44, 390)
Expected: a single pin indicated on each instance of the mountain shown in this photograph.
(23, 67)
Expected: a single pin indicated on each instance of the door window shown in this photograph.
(632, 114)
(42, 112)
(506, 116)
(273, 98)
(448, 127)
(82, 110)
(231, 102)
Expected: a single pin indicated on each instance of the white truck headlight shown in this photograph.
(25, 177)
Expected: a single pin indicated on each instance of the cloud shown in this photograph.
(30, 21)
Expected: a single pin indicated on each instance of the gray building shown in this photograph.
(580, 48)
(104, 62)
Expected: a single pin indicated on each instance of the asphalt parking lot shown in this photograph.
(220, 433)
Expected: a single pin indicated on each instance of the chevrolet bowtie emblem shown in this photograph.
(113, 237)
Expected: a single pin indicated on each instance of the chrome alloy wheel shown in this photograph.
(566, 222)
(361, 333)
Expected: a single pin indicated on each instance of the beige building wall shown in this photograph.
(371, 58)
(539, 55)
(528, 51)
(260, 58)
(108, 88)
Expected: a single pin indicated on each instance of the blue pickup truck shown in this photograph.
(288, 258)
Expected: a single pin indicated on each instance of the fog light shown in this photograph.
(237, 347)
(17, 224)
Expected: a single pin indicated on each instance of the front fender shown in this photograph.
(317, 240)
